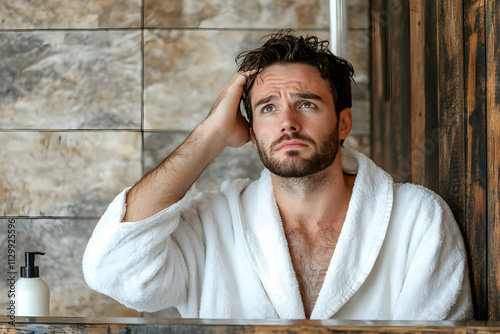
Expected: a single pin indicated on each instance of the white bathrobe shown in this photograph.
(400, 255)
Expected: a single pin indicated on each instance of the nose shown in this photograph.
(289, 120)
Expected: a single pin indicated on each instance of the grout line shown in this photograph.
(163, 28)
(142, 88)
(144, 131)
(70, 130)
(51, 217)
(69, 29)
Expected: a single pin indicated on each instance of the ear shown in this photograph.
(252, 136)
(345, 123)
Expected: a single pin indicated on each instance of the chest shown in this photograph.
(311, 256)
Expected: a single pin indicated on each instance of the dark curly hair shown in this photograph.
(284, 47)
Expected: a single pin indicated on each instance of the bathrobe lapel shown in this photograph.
(362, 235)
(266, 243)
(357, 248)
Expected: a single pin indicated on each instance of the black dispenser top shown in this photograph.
(29, 270)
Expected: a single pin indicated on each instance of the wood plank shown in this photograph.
(475, 110)
(458, 122)
(179, 325)
(391, 88)
(493, 144)
(452, 135)
(417, 89)
(400, 114)
(309, 326)
(380, 72)
(377, 83)
(431, 96)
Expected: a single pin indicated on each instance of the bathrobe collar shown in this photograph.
(357, 248)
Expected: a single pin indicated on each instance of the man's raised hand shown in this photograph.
(226, 117)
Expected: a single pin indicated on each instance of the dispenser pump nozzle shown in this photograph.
(29, 270)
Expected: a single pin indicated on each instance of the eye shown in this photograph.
(307, 104)
(268, 108)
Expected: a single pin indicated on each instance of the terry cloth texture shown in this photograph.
(224, 254)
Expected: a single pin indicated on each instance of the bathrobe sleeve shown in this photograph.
(436, 285)
(152, 264)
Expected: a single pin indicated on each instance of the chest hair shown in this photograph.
(311, 255)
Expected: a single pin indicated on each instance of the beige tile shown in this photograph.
(70, 80)
(27, 14)
(361, 91)
(262, 14)
(185, 71)
(74, 174)
(361, 114)
(232, 163)
(359, 56)
(358, 13)
(63, 242)
(359, 53)
(360, 143)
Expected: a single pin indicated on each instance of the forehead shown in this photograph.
(283, 78)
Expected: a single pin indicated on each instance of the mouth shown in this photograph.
(291, 145)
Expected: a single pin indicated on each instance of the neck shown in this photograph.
(308, 202)
(301, 187)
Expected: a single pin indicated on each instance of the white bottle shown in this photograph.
(32, 293)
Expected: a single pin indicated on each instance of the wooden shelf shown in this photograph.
(146, 325)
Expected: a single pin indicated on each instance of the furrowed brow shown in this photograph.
(308, 96)
(264, 100)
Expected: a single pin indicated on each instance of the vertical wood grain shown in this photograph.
(391, 87)
(431, 85)
(493, 145)
(455, 111)
(377, 84)
(475, 111)
(451, 136)
(417, 91)
(400, 91)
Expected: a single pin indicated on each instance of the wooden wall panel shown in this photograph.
(418, 146)
(378, 57)
(454, 70)
(391, 89)
(452, 134)
(493, 153)
(399, 45)
(475, 176)
(431, 46)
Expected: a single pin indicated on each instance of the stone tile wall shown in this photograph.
(95, 93)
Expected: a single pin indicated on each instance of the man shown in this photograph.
(322, 234)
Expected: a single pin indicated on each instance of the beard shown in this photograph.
(325, 152)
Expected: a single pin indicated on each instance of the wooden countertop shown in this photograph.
(147, 325)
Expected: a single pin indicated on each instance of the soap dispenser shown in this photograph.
(32, 293)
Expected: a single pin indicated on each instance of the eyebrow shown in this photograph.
(309, 96)
(265, 100)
